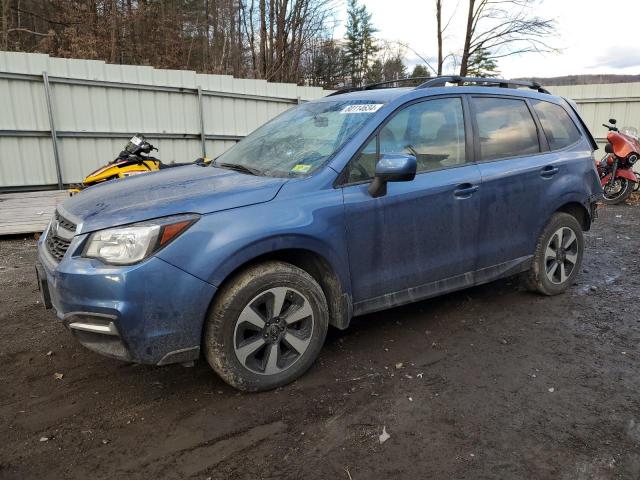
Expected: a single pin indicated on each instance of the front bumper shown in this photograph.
(152, 312)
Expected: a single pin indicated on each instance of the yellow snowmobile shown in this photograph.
(133, 160)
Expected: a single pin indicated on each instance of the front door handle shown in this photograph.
(465, 190)
(549, 171)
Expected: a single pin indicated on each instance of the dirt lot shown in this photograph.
(492, 382)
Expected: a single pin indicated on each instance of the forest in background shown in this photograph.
(276, 40)
(245, 38)
(584, 79)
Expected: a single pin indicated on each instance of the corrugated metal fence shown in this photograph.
(598, 103)
(61, 118)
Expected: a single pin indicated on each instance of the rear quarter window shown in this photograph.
(505, 128)
(557, 124)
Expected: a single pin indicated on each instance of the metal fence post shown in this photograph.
(203, 137)
(52, 127)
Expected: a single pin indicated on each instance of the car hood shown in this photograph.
(187, 189)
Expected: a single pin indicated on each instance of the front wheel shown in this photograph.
(266, 326)
(617, 191)
(558, 256)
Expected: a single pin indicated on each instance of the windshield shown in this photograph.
(299, 141)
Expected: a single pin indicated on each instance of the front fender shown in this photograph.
(280, 242)
(221, 242)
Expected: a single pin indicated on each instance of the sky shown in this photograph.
(592, 36)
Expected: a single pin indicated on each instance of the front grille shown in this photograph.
(64, 223)
(59, 236)
(57, 247)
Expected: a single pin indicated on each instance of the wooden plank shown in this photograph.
(28, 212)
(40, 194)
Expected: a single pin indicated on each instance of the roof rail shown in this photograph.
(373, 86)
(501, 82)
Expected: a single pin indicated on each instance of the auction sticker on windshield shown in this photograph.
(362, 108)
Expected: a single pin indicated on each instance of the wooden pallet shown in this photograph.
(28, 212)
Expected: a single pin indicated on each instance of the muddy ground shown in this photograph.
(495, 382)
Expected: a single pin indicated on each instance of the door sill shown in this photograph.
(440, 287)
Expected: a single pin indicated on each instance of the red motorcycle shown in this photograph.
(616, 168)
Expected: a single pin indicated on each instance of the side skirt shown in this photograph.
(440, 287)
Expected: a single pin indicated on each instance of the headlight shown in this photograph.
(133, 243)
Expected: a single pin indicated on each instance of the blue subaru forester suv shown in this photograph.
(351, 204)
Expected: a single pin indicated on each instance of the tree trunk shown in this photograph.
(252, 39)
(113, 10)
(205, 38)
(6, 7)
(439, 20)
(263, 37)
(464, 62)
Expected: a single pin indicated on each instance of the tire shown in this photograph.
(543, 277)
(624, 193)
(242, 334)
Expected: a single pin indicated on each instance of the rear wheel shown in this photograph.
(617, 191)
(558, 255)
(266, 327)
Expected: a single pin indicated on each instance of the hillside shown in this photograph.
(583, 79)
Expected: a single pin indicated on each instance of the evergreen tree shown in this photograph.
(482, 65)
(394, 68)
(353, 41)
(369, 47)
(420, 71)
(374, 75)
(360, 44)
(325, 65)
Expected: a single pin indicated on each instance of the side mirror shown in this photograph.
(392, 168)
(612, 121)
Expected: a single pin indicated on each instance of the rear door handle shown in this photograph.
(549, 171)
(465, 190)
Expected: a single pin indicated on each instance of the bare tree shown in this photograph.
(439, 21)
(6, 7)
(280, 32)
(246, 38)
(113, 11)
(504, 28)
(440, 31)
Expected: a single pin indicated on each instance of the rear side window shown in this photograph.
(505, 127)
(557, 124)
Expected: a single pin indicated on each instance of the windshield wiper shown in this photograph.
(239, 168)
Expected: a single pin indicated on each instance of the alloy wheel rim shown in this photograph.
(561, 255)
(273, 331)
(614, 189)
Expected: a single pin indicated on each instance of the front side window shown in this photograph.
(557, 125)
(505, 127)
(299, 141)
(432, 131)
